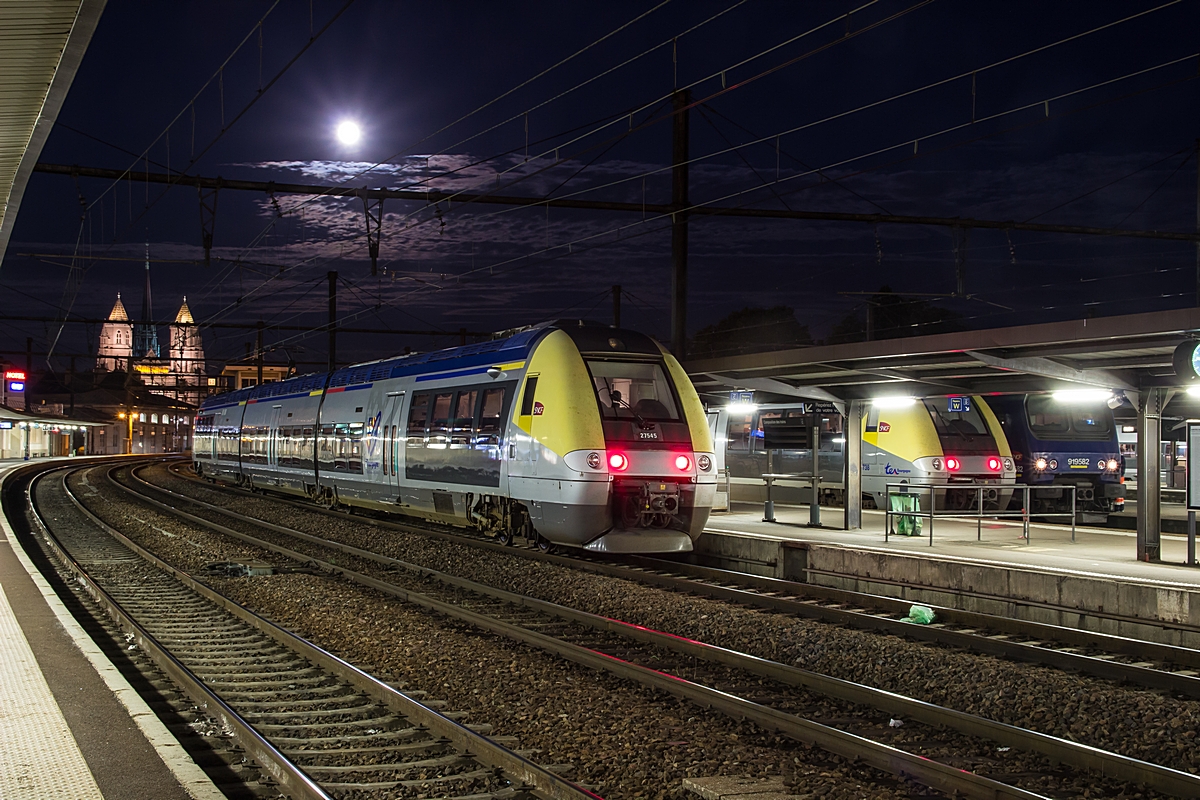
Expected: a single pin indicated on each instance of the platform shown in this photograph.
(70, 725)
(1004, 574)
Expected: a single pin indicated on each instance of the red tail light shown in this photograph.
(993, 464)
(682, 463)
(618, 461)
(953, 464)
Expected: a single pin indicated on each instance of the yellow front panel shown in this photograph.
(693, 410)
(910, 433)
(994, 428)
(570, 418)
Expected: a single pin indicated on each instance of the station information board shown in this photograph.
(1193, 473)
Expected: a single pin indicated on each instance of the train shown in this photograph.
(945, 440)
(1065, 439)
(567, 433)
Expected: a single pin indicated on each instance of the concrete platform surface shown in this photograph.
(70, 725)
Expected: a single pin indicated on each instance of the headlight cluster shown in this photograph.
(704, 463)
(593, 460)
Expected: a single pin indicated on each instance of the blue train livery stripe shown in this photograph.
(277, 397)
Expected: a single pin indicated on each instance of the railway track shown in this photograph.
(318, 726)
(804, 705)
(1122, 659)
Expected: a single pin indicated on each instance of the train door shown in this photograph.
(718, 424)
(393, 436)
(273, 437)
(526, 448)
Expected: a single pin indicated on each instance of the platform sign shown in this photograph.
(958, 404)
(741, 398)
(1193, 475)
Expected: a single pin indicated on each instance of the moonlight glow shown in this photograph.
(348, 132)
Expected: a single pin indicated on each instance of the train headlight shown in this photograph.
(593, 460)
(704, 463)
(1008, 465)
(953, 464)
(682, 463)
(937, 465)
(993, 463)
(1040, 464)
(1112, 465)
(618, 461)
(1054, 463)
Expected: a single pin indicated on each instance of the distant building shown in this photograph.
(134, 350)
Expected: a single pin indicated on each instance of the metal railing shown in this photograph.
(919, 490)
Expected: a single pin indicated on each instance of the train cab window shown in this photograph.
(1047, 417)
(628, 390)
(961, 423)
(527, 398)
(418, 415)
(439, 420)
(464, 418)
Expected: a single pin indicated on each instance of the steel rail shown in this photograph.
(727, 589)
(838, 742)
(519, 769)
(1075, 754)
(281, 769)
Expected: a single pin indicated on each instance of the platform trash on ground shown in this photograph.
(921, 615)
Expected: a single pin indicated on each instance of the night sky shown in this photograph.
(1114, 155)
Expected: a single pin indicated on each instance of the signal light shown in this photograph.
(618, 461)
(682, 463)
(953, 464)
(993, 464)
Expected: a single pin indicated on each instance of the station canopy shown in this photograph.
(1124, 354)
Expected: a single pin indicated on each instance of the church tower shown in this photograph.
(187, 348)
(145, 336)
(116, 340)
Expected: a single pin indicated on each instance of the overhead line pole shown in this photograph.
(659, 209)
(332, 321)
(679, 218)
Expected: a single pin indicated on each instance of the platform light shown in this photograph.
(682, 463)
(741, 408)
(1194, 391)
(953, 464)
(618, 461)
(1081, 395)
(893, 402)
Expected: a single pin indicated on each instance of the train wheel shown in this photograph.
(544, 544)
(505, 537)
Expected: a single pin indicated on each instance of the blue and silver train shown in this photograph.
(1060, 440)
(568, 433)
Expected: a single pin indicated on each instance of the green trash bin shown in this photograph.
(905, 524)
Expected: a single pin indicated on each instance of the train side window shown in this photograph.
(527, 398)
(393, 445)
(326, 445)
(464, 417)
(439, 419)
(306, 447)
(354, 448)
(418, 415)
(739, 432)
(490, 412)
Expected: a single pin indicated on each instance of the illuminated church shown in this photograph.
(134, 348)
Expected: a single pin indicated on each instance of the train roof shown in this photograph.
(588, 336)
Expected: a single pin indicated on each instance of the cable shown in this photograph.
(1091, 192)
(1174, 172)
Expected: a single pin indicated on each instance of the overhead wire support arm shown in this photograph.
(208, 219)
(373, 210)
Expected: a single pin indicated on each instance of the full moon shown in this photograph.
(348, 132)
